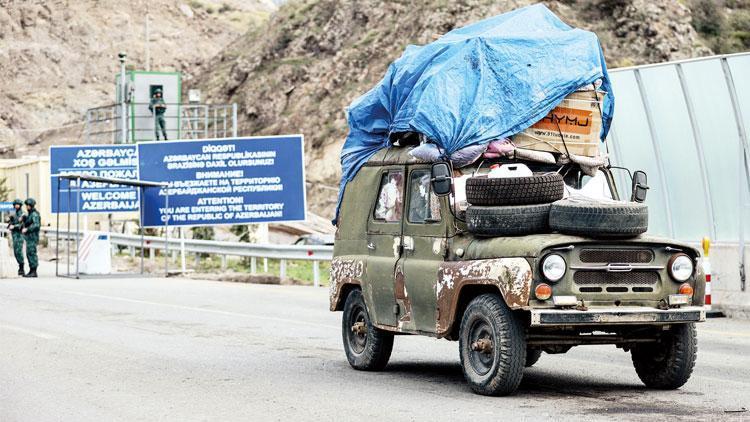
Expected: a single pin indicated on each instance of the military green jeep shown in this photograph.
(406, 263)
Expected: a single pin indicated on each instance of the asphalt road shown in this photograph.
(174, 349)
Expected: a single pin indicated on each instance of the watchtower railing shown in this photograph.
(181, 121)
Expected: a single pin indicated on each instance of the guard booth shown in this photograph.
(141, 86)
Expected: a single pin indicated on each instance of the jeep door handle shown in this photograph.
(370, 246)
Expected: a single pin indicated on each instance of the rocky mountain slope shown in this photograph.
(59, 57)
(299, 72)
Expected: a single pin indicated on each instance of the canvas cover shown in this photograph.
(488, 80)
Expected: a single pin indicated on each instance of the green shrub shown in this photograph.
(708, 17)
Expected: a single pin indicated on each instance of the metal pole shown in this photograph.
(316, 274)
(67, 238)
(253, 265)
(148, 39)
(140, 223)
(166, 233)
(657, 153)
(123, 97)
(697, 138)
(205, 121)
(234, 120)
(182, 250)
(743, 164)
(224, 122)
(282, 269)
(78, 226)
(57, 233)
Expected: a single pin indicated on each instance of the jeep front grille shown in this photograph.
(620, 256)
(603, 278)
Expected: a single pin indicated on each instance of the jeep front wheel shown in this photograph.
(367, 347)
(492, 346)
(668, 363)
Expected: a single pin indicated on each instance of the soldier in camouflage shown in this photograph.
(30, 230)
(158, 107)
(15, 224)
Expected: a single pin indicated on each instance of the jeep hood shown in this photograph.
(532, 245)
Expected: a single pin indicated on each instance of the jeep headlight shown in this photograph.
(553, 267)
(680, 267)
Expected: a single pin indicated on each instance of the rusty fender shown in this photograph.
(512, 276)
(343, 271)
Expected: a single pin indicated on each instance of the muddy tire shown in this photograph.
(532, 357)
(667, 364)
(537, 189)
(508, 221)
(492, 346)
(595, 219)
(367, 348)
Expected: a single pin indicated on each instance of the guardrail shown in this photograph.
(283, 253)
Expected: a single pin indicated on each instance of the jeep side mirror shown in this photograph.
(640, 186)
(441, 179)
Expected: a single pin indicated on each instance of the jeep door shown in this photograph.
(423, 250)
(384, 244)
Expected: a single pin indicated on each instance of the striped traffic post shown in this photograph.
(706, 243)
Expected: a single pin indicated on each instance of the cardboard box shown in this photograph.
(577, 118)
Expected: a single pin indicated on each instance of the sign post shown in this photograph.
(224, 181)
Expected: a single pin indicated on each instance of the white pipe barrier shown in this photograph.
(283, 253)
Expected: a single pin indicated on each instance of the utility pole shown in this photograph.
(148, 41)
(123, 99)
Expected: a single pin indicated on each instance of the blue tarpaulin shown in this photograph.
(485, 81)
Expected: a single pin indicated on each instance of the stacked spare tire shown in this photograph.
(514, 206)
(508, 206)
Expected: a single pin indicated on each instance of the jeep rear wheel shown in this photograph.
(532, 356)
(367, 347)
(668, 363)
(492, 347)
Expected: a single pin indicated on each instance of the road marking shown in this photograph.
(211, 311)
(34, 333)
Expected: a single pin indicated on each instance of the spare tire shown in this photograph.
(599, 219)
(537, 189)
(508, 221)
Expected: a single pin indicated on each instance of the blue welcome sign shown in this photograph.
(112, 161)
(224, 181)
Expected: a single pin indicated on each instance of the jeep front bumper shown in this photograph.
(616, 316)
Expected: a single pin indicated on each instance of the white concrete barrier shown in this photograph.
(726, 289)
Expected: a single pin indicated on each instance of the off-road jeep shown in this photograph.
(405, 263)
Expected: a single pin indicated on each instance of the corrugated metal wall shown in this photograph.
(29, 177)
(685, 123)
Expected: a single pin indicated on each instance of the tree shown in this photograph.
(4, 190)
